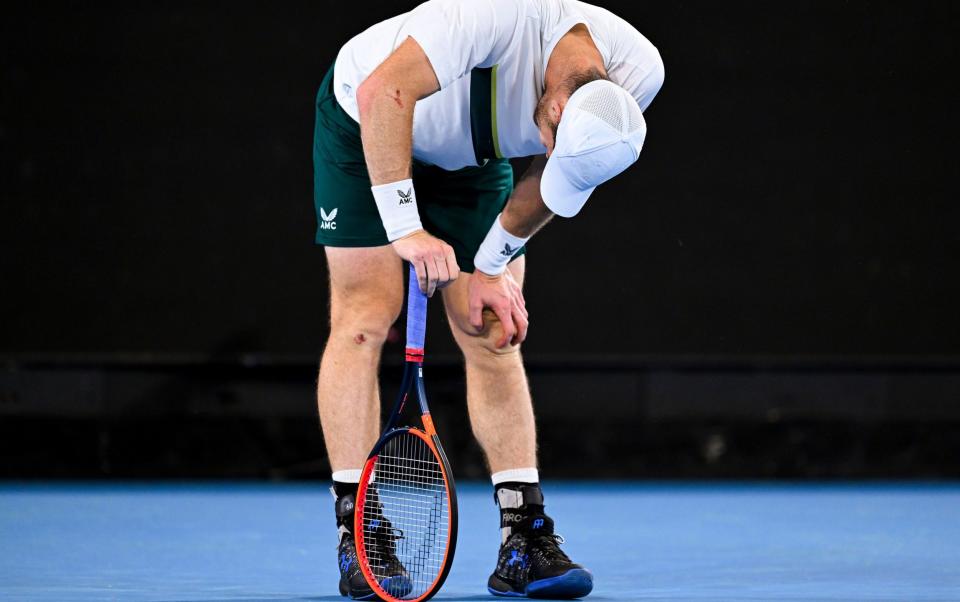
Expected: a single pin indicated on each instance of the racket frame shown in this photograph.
(412, 383)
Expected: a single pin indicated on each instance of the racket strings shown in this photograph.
(406, 517)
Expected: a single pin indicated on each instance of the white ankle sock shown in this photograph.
(347, 476)
(516, 475)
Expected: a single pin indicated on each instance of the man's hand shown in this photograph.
(433, 259)
(502, 294)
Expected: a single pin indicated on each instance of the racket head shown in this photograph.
(406, 481)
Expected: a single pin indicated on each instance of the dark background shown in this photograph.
(770, 291)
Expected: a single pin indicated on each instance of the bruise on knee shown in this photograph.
(359, 339)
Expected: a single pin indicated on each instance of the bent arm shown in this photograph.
(386, 100)
(491, 285)
(525, 212)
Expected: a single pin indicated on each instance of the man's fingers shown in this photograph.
(476, 315)
(452, 266)
(516, 296)
(518, 293)
(443, 275)
(506, 322)
(523, 323)
(521, 307)
(431, 268)
(428, 278)
(421, 269)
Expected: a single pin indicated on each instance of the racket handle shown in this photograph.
(416, 318)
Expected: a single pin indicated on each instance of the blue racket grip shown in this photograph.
(416, 313)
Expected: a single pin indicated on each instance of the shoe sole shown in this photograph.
(398, 586)
(346, 593)
(575, 583)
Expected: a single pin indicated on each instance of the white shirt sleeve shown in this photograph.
(631, 60)
(638, 68)
(458, 35)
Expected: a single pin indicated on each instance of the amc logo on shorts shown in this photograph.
(326, 221)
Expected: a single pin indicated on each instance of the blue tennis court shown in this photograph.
(643, 541)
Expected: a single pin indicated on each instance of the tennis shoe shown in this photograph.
(380, 538)
(352, 582)
(531, 564)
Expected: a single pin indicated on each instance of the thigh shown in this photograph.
(366, 285)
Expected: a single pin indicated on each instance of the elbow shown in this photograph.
(365, 94)
(384, 89)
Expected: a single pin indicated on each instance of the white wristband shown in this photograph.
(397, 204)
(496, 249)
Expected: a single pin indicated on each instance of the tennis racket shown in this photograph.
(405, 523)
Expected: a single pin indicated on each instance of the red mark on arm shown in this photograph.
(359, 339)
(396, 99)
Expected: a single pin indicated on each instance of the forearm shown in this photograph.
(386, 129)
(386, 100)
(386, 126)
(525, 212)
(523, 215)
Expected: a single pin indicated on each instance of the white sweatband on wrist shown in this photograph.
(397, 204)
(497, 249)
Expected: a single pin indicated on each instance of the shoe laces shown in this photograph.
(386, 536)
(548, 547)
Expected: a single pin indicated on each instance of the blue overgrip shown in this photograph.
(416, 315)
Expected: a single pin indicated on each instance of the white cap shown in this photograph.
(600, 134)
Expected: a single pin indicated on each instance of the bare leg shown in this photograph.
(498, 397)
(366, 294)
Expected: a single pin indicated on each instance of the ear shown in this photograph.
(562, 103)
(556, 108)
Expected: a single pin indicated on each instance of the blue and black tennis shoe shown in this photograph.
(352, 583)
(531, 564)
(381, 540)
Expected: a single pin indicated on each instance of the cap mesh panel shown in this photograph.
(604, 104)
(634, 116)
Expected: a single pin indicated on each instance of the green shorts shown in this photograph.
(456, 206)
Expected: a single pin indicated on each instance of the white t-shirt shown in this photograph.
(515, 37)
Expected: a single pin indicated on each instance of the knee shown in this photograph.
(364, 321)
(482, 346)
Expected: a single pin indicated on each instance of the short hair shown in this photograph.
(577, 80)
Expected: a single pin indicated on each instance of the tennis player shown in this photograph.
(415, 123)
